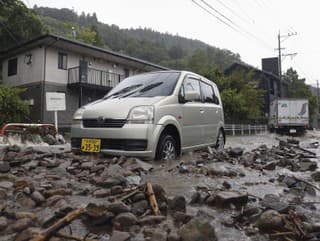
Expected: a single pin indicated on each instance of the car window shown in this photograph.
(208, 94)
(191, 84)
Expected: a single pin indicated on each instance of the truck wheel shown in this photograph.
(167, 148)
(220, 141)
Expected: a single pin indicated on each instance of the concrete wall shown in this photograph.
(26, 73)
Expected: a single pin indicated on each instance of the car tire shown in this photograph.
(220, 141)
(167, 148)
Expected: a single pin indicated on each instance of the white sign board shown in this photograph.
(56, 101)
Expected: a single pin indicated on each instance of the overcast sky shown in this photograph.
(257, 23)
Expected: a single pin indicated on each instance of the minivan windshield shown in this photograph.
(145, 85)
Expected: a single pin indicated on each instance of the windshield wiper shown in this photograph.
(123, 91)
(144, 89)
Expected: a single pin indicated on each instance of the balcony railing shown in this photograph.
(94, 77)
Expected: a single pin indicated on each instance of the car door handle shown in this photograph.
(201, 111)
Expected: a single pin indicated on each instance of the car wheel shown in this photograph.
(167, 148)
(220, 141)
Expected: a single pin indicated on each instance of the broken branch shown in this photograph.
(152, 199)
(51, 231)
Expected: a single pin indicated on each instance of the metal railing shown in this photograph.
(94, 77)
(238, 129)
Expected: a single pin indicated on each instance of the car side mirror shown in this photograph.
(191, 95)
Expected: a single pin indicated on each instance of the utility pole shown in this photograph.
(282, 38)
(318, 95)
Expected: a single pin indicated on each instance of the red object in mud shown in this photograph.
(21, 127)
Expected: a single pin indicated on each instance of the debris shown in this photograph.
(49, 232)
(152, 199)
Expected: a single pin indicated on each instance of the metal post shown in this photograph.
(233, 130)
(56, 120)
(242, 130)
(249, 127)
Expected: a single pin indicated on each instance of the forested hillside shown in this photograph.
(165, 49)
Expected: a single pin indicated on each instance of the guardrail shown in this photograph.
(238, 129)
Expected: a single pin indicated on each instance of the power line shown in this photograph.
(222, 21)
(244, 12)
(231, 23)
(232, 11)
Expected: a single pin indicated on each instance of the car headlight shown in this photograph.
(78, 114)
(141, 115)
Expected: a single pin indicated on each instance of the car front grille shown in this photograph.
(103, 123)
(116, 144)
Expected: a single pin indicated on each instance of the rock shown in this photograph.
(228, 197)
(272, 201)
(114, 171)
(125, 219)
(195, 198)
(138, 208)
(135, 165)
(109, 182)
(20, 215)
(289, 181)
(183, 169)
(98, 214)
(270, 166)
(307, 165)
(100, 193)
(21, 224)
(37, 197)
(3, 223)
(4, 167)
(27, 234)
(160, 193)
(159, 235)
(49, 139)
(6, 185)
(316, 176)
(51, 201)
(270, 220)
(197, 229)
(120, 236)
(235, 152)
(118, 207)
(150, 220)
(173, 236)
(116, 190)
(181, 217)
(57, 191)
(178, 203)
(226, 185)
(25, 201)
(138, 197)
(134, 180)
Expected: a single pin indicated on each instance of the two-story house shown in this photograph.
(51, 63)
(270, 82)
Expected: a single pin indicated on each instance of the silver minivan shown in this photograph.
(152, 115)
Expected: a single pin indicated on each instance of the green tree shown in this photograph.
(17, 23)
(299, 89)
(12, 107)
(242, 101)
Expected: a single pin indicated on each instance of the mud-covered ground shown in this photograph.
(263, 187)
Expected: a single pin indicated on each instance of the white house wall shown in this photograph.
(53, 74)
(26, 73)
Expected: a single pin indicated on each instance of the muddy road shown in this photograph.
(263, 187)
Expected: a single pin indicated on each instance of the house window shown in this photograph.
(62, 61)
(12, 66)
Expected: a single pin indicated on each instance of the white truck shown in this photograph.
(289, 115)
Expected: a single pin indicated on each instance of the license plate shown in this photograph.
(90, 145)
(293, 131)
